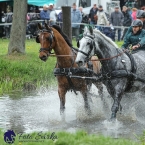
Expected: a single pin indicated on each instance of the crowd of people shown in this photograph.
(107, 24)
(117, 21)
(7, 18)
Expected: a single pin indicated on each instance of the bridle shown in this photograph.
(92, 44)
(50, 39)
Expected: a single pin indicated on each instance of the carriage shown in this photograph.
(119, 71)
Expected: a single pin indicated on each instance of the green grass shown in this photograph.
(64, 138)
(27, 71)
(19, 71)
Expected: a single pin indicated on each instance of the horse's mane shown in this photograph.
(106, 38)
(63, 34)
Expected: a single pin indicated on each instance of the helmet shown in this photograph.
(140, 14)
(137, 22)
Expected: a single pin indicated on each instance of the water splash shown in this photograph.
(40, 112)
(112, 125)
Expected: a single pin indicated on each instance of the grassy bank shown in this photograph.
(63, 138)
(26, 72)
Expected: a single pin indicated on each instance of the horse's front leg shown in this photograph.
(99, 85)
(86, 102)
(62, 93)
(116, 105)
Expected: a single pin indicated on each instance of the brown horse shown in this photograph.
(50, 38)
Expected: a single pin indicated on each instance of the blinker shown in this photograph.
(37, 39)
(78, 44)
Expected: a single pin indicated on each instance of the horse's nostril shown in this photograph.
(80, 62)
(43, 58)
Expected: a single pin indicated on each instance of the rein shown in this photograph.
(103, 59)
(91, 47)
(54, 55)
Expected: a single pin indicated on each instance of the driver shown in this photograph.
(140, 15)
(136, 37)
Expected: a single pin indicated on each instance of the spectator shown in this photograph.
(43, 14)
(9, 19)
(83, 3)
(143, 8)
(28, 17)
(102, 18)
(32, 9)
(37, 9)
(141, 15)
(59, 18)
(2, 17)
(92, 15)
(76, 17)
(9, 9)
(130, 3)
(133, 15)
(136, 4)
(127, 20)
(53, 16)
(84, 19)
(130, 11)
(84, 16)
(117, 19)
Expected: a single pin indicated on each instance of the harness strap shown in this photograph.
(74, 71)
(80, 51)
(71, 84)
(68, 72)
(131, 78)
(138, 78)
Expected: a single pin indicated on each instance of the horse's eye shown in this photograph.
(88, 43)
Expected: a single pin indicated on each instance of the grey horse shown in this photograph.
(96, 43)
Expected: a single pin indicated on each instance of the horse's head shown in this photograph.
(46, 40)
(86, 46)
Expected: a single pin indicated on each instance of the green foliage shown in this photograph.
(78, 138)
(141, 138)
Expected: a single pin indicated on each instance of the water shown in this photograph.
(40, 112)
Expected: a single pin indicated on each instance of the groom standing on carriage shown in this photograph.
(136, 37)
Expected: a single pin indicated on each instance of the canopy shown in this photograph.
(4, 0)
(40, 2)
(36, 2)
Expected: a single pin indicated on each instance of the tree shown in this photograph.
(18, 29)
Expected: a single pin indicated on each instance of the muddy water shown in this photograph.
(40, 112)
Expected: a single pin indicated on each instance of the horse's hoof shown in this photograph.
(113, 116)
(62, 112)
(88, 111)
(120, 112)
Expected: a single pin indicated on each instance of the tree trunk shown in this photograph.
(66, 11)
(18, 29)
